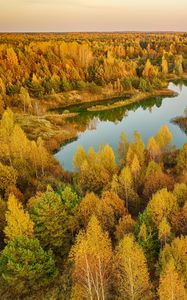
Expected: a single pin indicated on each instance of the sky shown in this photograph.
(92, 15)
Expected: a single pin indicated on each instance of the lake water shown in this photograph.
(105, 127)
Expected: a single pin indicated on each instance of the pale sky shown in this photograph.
(93, 15)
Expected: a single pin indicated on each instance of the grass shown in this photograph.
(136, 98)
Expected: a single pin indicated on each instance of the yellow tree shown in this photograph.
(126, 184)
(1, 105)
(135, 167)
(123, 147)
(177, 251)
(43, 155)
(18, 221)
(163, 137)
(8, 177)
(87, 207)
(130, 155)
(12, 59)
(162, 204)
(182, 159)
(149, 70)
(126, 225)
(171, 286)
(164, 231)
(6, 128)
(153, 149)
(92, 263)
(25, 98)
(79, 157)
(130, 271)
(178, 68)
(107, 159)
(164, 65)
(138, 147)
(19, 144)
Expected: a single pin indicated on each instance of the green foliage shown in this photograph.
(25, 266)
(51, 221)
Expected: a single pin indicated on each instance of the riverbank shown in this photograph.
(136, 98)
(181, 122)
(53, 128)
(67, 99)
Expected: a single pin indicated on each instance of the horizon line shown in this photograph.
(93, 31)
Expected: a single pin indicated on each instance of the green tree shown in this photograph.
(25, 267)
(51, 222)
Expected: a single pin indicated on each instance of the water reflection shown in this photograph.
(147, 116)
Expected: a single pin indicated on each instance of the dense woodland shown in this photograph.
(116, 227)
(36, 66)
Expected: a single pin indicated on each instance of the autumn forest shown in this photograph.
(115, 226)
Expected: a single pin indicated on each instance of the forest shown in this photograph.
(115, 227)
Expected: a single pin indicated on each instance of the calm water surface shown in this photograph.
(105, 127)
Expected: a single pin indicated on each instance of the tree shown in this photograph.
(123, 147)
(12, 59)
(25, 99)
(87, 207)
(171, 285)
(3, 208)
(163, 138)
(125, 184)
(108, 160)
(177, 252)
(138, 147)
(2, 105)
(108, 209)
(130, 268)
(8, 177)
(153, 149)
(161, 206)
(51, 221)
(178, 68)
(69, 198)
(179, 220)
(135, 167)
(164, 65)
(6, 128)
(79, 157)
(149, 70)
(180, 191)
(97, 170)
(20, 145)
(155, 179)
(126, 225)
(182, 159)
(147, 238)
(25, 266)
(92, 263)
(164, 231)
(18, 221)
(43, 155)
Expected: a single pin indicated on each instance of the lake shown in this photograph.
(105, 127)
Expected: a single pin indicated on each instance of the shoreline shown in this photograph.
(134, 99)
(56, 132)
(138, 97)
(181, 121)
